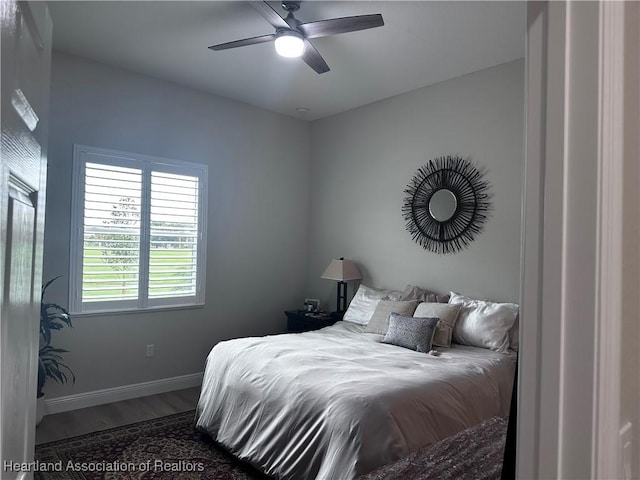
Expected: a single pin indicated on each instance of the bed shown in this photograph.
(337, 403)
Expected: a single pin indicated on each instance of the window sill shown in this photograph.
(129, 311)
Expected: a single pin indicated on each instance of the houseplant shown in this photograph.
(52, 317)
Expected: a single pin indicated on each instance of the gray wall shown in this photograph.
(271, 230)
(363, 159)
(257, 228)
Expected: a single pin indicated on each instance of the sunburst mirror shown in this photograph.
(446, 204)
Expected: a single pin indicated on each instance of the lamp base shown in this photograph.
(342, 297)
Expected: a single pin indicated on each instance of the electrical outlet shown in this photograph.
(626, 442)
(150, 350)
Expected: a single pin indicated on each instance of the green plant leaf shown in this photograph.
(46, 285)
(51, 364)
(57, 375)
(58, 307)
(46, 333)
(57, 313)
(59, 350)
(53, 317)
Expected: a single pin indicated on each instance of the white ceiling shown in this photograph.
(421, 43)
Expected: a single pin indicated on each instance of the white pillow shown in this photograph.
(482, 323)
(363, 304)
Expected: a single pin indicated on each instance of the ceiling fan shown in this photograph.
(292, 37)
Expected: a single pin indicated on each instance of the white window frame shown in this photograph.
(83, 154)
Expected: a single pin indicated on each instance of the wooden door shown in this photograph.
(26, 57)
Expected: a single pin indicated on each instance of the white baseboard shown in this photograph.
(116, 394)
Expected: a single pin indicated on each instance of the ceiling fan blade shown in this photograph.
(313, 58)
(242, 43)
(270, 14)
(334, 26)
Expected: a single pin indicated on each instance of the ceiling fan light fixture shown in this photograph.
(292, 36)
(289, 43)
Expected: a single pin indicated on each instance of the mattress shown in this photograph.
(337, 403)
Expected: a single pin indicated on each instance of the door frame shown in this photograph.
(26, 55)
(569, 407)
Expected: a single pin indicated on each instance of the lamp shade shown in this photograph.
(342, 270)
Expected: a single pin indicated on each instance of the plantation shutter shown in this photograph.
(173, 252)
(111, 250)
(138, 232)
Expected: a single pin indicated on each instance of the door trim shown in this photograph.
(610, 229)
(571, 301)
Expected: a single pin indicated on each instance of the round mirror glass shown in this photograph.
(442, 205)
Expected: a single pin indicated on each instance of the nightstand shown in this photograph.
(302, 321)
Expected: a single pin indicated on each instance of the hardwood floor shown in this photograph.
(92, 419)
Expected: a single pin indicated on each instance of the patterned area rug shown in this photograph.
(167, 448)
(472, 454)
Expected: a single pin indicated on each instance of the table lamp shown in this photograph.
(343, 271)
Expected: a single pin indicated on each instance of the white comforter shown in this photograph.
(336, 403)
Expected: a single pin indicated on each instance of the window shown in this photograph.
(138, 231)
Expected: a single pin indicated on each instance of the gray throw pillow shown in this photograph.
(411, 332)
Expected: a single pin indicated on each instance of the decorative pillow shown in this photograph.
(411, 332)
(379, 322)
(411, 292)
(363, 304)
(447, 313)
(393, 295)
(482, 323)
